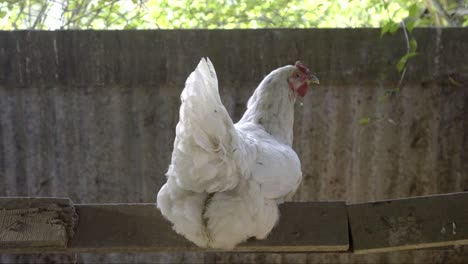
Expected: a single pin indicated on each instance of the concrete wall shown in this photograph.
(91, 115)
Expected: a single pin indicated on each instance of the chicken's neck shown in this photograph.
(272, 108)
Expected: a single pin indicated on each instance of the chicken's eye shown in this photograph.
(297, 75)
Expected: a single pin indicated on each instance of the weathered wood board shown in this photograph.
(46, 224)
(303, 227)
(307, 227)
(311, 226)
(420, 222)
(35, 222)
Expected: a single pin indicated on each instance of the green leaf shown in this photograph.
(413, 45)
(403, 60)
(3, 14)
(413, 11)
(410, 55)
(131, 26)
(410, 25)
(389, 27)
(385, 5)
(401, 64)
(364, 121)
(465, 23)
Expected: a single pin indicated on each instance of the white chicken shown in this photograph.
(225, 180)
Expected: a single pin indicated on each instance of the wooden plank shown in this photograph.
(420, 222)
(35, 222)
(43, 224)
(311, 226)
(306, 227)
(124, 227)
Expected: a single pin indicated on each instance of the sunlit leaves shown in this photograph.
(147, 14)
(413, 11)
(410, 25)
(170, 14)
(389, 27)
(413, 17)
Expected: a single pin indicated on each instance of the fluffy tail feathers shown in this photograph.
(205, 136)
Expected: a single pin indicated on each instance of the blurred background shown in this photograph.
(228, 14)
(90, 114)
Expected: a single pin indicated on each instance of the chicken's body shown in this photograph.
(225, 180)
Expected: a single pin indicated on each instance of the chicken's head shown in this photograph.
(300, 79)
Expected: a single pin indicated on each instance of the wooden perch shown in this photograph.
(40, 225)
(312, 226)
(420, 222)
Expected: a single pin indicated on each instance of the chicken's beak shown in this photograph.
(313, 80)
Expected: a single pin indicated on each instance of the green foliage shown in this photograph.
(226, 14)
(389, 27)
(413, 45)
(403, 60)
(364, 121)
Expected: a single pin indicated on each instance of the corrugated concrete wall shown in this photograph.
(91, 115)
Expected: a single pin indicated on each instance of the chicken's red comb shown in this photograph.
(302, 68)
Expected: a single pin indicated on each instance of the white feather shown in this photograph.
(225, 180)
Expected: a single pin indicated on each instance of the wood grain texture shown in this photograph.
(35, 223)
(422, 222)
(314, 226)
(412, 223)
(304, 227)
